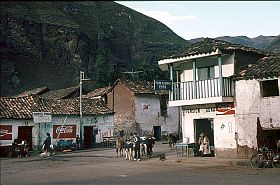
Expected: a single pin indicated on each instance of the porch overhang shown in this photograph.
(163, 64)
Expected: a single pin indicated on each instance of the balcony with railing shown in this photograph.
(216, 90)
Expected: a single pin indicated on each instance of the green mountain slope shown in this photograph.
(260, 42)
(48, 43)
(274, 46)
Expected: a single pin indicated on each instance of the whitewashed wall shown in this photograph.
(104, 124)
(250, 105)
(227, 67)
(15, 124)
(224, 127)
(151, 117)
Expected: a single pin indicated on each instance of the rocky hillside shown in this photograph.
(275, 45)
(260, 42)
(48, 43)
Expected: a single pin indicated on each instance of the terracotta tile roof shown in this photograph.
(37, 91)
(23, 107)
(62, 93)
(140, 87)
(19, 107)
(209, 45)
(266, 67)
(97, 92)
(72, 106)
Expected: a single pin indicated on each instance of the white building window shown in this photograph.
(269, 88)
(206, 73)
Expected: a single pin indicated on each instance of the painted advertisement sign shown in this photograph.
(225, 109)
(6, 132)
(64, 131)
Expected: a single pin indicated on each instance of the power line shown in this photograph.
(133, 73)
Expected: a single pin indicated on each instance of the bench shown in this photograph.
(184, 145)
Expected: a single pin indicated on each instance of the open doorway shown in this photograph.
(88, 136)
(272, 137)
(157, 133)
(205, 126)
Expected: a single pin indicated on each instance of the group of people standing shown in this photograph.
(132, 146)
(17, 152)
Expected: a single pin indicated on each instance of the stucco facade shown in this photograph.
(250, 105)
(221, 90)
(140, 112)
(103, 123)
(221, 132)
(148, 115)
(30, 117)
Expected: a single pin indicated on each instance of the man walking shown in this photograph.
(47, 144)
(136, 141)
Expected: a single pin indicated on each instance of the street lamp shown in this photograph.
(82, 78)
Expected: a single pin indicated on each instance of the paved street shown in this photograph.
(101, 167)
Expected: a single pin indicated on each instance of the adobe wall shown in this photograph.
(250, 105)
(121, 101)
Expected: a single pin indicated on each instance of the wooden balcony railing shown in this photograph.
(202, 89)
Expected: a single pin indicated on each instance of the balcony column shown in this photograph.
(170, 66)
(220, 75)
(194, 79)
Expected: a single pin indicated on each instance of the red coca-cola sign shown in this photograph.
(64, 131)
(6, 132)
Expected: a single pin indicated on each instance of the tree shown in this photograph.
(150, 72)
(100, 69)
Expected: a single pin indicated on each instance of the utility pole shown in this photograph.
(82, 78)
(133, 73)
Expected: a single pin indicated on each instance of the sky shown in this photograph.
(194, 19)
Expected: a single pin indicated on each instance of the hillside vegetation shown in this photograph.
(268, 43)
(48, 43)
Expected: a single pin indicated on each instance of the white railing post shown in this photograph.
(194, 79)
(220, 75)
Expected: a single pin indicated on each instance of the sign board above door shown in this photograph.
(42, 117)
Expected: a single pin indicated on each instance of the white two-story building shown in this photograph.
(210, 99)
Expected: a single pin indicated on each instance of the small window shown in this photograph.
(269, 88)
(206, 73)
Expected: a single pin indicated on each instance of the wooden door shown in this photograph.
(88, 137)
(157, 133)
(25, 133)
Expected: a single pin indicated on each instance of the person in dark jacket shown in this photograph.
(136, 142)
(121, 133)
(15, 149)
(150, 143)
(47, 143)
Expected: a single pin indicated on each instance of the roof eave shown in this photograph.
(163, 64)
